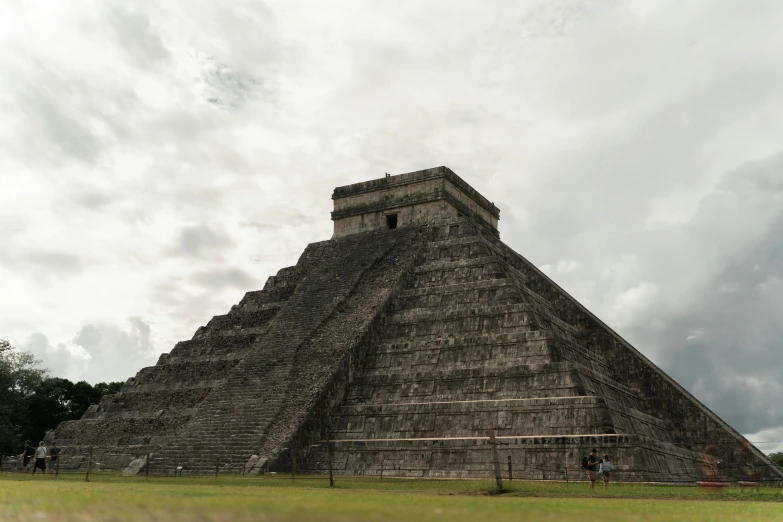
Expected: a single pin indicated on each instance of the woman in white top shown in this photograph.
(605, 469)
(40, 458)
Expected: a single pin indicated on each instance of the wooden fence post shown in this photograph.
(217, 466)
(493, 443)
(89, 466)
(147, 470)
(509, 469)
(329, 459)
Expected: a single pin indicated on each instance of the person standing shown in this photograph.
(605, 469)
(27, 454)
(54, 453)
(40, 458)
(592, 467)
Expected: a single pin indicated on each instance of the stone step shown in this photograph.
(454, 249)
(467, 317)
(213, 345)
(242, 318)
(485, 284)
(489, 293)
(526, 416)
(464, 357)
(494, 254)
(529, 416)
(157, 400)
(487, 345)
(600, 384)
(463, 239)
(450, 265)
(535, 380)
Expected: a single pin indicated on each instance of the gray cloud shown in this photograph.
(54, 261)
(91, 199)
(60, 359)
(726, 345)
(104, 352)
(612, 151)
(117, 353)
(201, 240)
(226, 278)
(136, 35)
(64, 131)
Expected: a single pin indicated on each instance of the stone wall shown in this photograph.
(412, 214)
(417, 198)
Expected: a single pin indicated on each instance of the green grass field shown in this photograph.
(111, 497)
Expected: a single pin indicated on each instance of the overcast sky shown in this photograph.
(158, 159)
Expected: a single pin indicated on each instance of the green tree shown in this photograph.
(46, 407)
(777, 458)
(83, 395)
(20, 375)
(32, 403)
(108, 388)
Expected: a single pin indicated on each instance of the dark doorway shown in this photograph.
(391, 221)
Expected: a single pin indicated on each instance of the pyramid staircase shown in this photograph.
(469, 349)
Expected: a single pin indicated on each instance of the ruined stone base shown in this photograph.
(532, 458)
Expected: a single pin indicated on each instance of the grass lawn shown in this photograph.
(111, 497)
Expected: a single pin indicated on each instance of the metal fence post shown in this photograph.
(217, 466)
(89, 466)
(147, 471)
(493, 444)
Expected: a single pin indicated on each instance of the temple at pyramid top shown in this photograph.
(423, 197)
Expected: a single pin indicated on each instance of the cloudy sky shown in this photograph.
(158, 159)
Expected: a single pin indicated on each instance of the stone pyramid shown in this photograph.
(405, 340)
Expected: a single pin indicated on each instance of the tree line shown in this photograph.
(33, 402)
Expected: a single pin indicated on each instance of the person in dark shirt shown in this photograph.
(27, 454)
(592, 467)
(54, 452)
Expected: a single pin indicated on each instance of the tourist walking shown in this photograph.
(605, 469)
(54, 453)
(590, 464)
(27, 454)
(40, 458)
